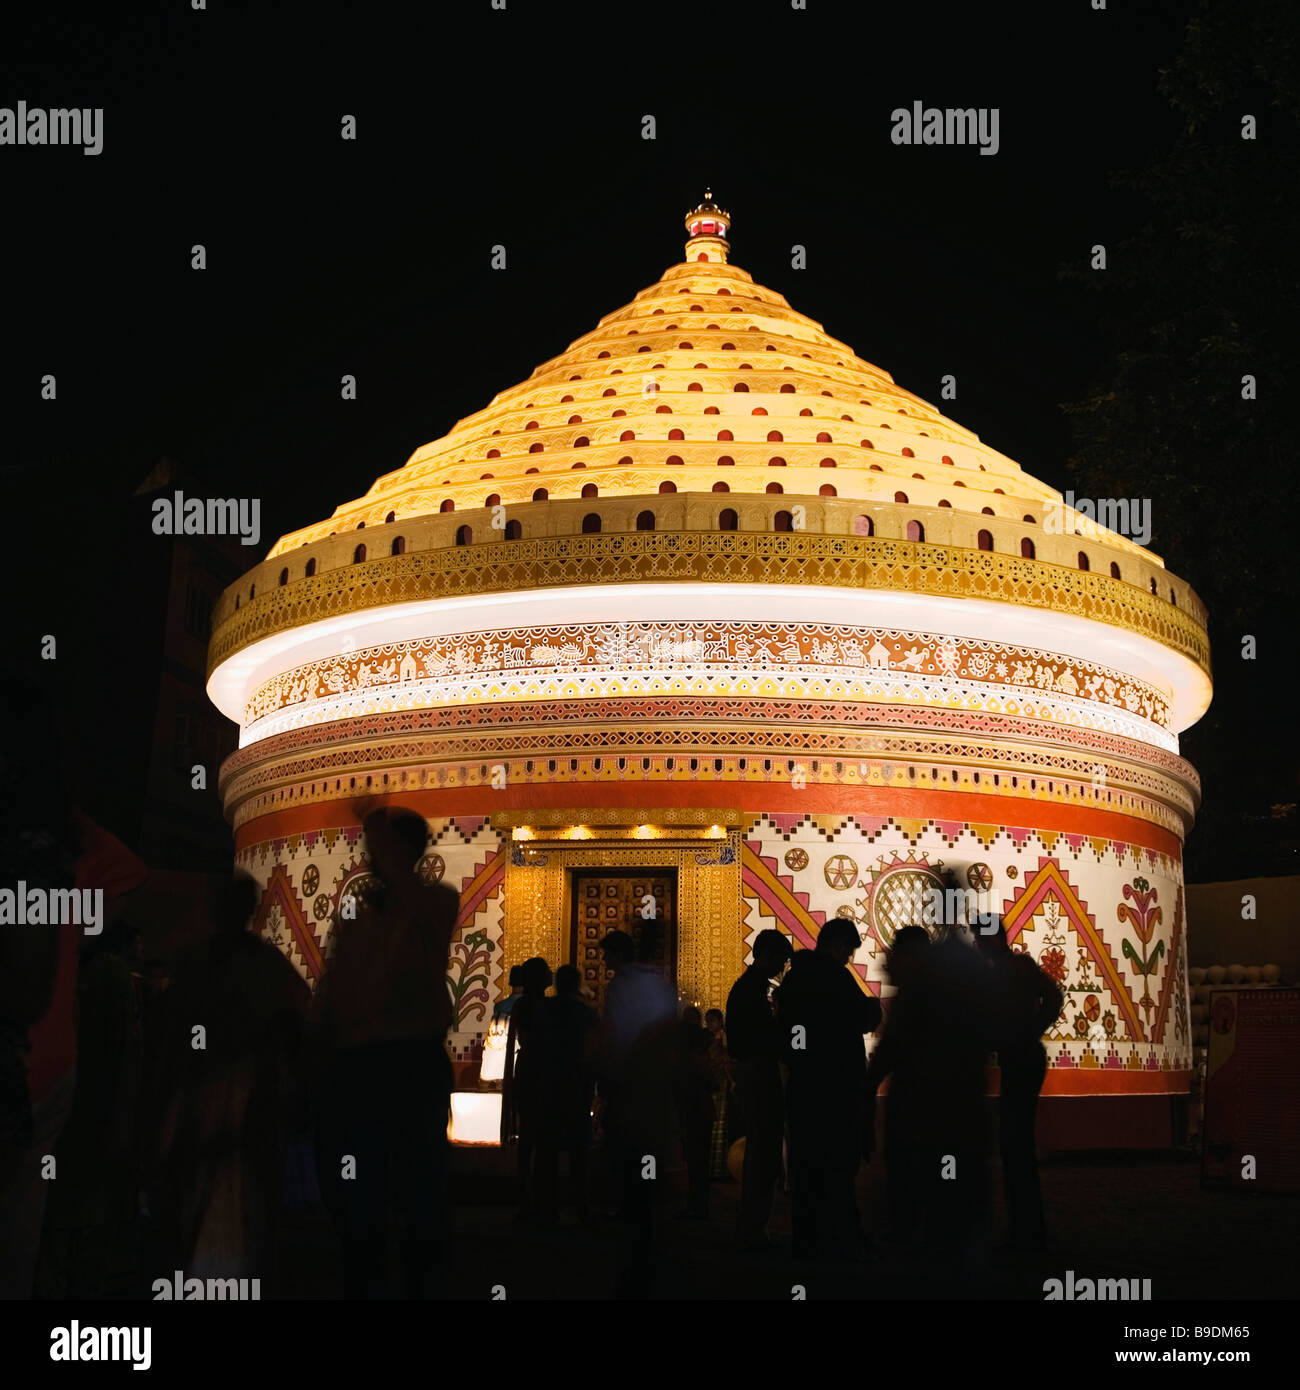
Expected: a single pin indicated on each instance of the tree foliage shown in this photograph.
(1202, 295)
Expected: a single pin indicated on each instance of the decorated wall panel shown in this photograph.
(1104, 918)
(304, 877)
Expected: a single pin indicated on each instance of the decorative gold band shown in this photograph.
(783, 559)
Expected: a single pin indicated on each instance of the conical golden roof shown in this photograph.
(705, 378)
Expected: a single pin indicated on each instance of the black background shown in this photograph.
(523, 127)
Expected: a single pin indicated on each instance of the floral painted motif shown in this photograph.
(1053, 961)
(468, 977)
(1140, 911)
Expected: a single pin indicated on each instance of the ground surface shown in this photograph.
(1108, 1217)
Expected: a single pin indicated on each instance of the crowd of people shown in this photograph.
(195, 1102)
(786, 1070)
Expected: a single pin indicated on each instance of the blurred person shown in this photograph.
(565, 1042)
(754, 1041)
(90, 1240)
(955, 1024)
(384, 1009)
(40, 844)
(229, 1039)
(521, 1090)
(47, 845)
(1026, 1002)
(898, 1057)
(824, 1016)
(635, 1053)
(693, 1087)
(721, 1071)
(502, 1008)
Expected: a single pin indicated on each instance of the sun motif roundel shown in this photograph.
(980, 877)
(357, 886)
(897, 897)
(841, 872)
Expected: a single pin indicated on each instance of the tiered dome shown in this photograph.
(707, 382)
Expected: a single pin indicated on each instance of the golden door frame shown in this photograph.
(710, 939)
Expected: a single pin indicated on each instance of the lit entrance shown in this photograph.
(606, 900)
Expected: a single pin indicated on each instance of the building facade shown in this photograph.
(710, 625)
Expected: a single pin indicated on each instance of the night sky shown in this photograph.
(521, 127)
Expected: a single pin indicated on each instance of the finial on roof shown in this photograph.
(708, 226)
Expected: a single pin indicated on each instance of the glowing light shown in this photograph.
(475, 1117)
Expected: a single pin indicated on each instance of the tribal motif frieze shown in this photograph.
(800, 660)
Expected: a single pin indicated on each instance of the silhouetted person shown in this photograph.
(90, 1241)
(1026, 1002)
(693, 1096)
(898, 1056)
(755, 1043)
(824, 1015)
(636, 1085)
(521, 1092)
(502, 1008)
(955, 1025)
(48, 845)
(229, 1036)
(720, 1070)
(384, 1011)
(40, 842)
(565, 1055)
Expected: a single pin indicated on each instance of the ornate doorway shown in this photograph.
(606, 900)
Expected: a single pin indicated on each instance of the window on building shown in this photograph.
(198, 612)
